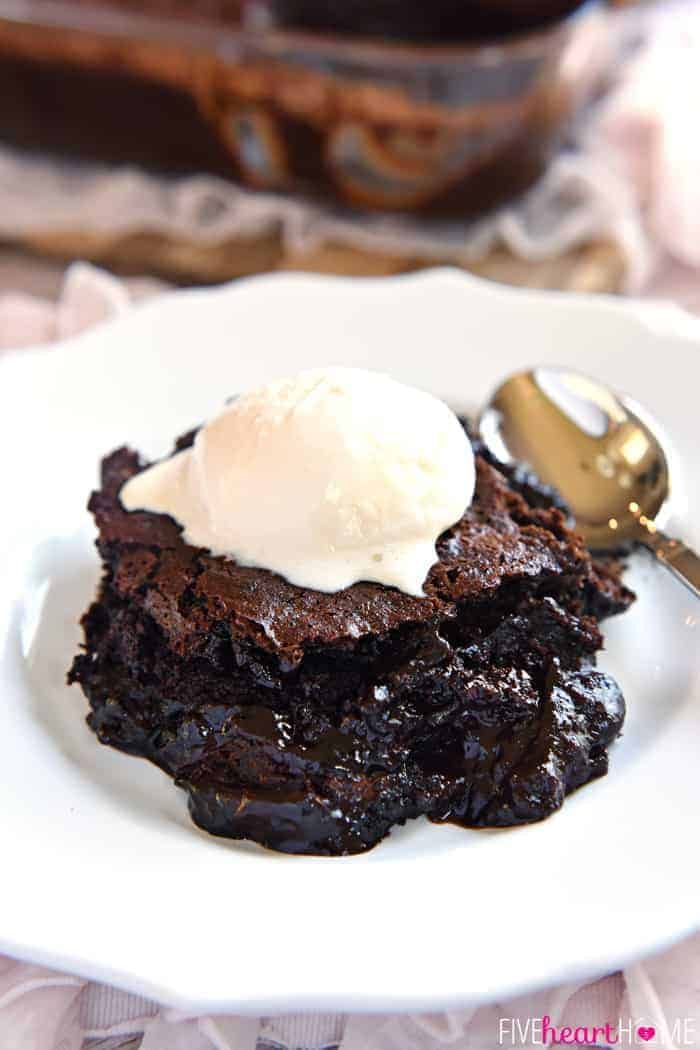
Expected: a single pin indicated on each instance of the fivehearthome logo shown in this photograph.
(625, 1031)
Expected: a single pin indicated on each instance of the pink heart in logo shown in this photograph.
(646, 1033)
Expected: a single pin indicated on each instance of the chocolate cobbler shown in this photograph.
(313, 722)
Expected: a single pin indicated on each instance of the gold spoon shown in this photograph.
(606, 462)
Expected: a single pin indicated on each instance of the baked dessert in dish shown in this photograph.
(448, 109)
(313, 722)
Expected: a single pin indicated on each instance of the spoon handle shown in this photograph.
(681, 560)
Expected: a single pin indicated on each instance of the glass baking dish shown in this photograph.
(376, 124)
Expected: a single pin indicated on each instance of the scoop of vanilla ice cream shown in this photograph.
(334, 476)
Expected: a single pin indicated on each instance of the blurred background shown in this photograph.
(548, 143)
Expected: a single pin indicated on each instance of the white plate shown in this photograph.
(102, 872)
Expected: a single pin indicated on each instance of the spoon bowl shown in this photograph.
(593, 446)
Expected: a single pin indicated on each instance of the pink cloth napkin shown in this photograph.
(655, 1004)
(644, 137)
